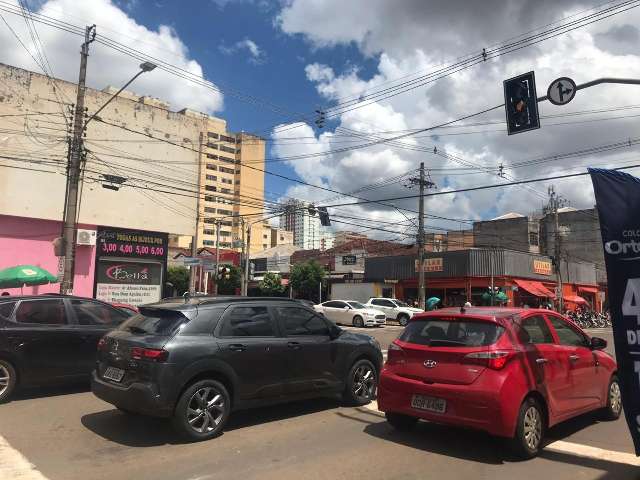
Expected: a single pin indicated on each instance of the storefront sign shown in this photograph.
(542, 267)
(134, 283)
(349, 259)
(130, 265)
(117, 242)
(432, 265)
(618, 202)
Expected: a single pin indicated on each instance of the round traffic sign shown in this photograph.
(561, 91)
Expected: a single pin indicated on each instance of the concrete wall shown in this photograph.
(509, 233)
(25, 241)
(30, 138)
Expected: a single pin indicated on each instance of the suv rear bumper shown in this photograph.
(141, 398)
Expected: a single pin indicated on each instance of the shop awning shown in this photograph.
(575, 299)
(535, 288)
(588, 289)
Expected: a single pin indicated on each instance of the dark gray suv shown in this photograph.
(196, 360)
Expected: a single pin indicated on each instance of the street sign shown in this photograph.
(561, 91)
(521, 103)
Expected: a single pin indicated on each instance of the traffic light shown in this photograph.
(521, 103)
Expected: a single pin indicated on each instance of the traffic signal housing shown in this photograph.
(521, 103)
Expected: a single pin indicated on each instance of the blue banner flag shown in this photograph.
(618, 203)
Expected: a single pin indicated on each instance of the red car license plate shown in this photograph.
(432, 404)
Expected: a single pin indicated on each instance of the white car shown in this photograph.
(350, 312)
(394, 309)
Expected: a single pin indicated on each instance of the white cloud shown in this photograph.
(105, 65)
(411, 39)
(256, 56)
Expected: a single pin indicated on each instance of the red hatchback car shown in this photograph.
(509, 371)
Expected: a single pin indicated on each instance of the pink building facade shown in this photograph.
(28, 241)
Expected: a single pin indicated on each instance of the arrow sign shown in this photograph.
(561, 91)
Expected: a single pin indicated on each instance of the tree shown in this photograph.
(271, 285)
(305, 278)
(228, 286)
(179, 278)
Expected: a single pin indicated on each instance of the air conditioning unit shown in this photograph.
(86, 237)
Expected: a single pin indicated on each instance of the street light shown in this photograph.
(144, 67)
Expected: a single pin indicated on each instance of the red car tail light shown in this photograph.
(102, 344)
(495, 359)
(153, 354)
(395, 354)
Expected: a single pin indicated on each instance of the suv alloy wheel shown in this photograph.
(403, 319)
(362, 383)
(7, 380)
(203, 410)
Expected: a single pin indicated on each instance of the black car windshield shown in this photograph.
(451, 333)
(152, 321)
(356, 305)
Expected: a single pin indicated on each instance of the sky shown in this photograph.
(271, 64)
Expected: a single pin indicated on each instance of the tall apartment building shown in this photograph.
(229, 187)
(308, 234)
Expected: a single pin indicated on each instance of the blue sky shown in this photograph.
(279, 77)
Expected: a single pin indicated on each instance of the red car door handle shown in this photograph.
(574, 358)
(542, 360)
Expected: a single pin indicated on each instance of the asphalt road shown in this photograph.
(68, 434)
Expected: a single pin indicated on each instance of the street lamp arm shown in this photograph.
(113, 97)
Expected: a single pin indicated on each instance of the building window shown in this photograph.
(225, 138)
(224, 233)
(210, 188)
(213, 178)
(212, 157)
(225, 244)
(209, 220)
(211, 166)
(209, 232)
(533, 238)
(209, 198)
(281, 238)
(212, 135)
(264, 246)
(228, 181)
(224, 148)
(208, 243)
(238, 172)
(264, 236)
(226, 224)
(224, 212)
(227, 170)
(225, 190)
(209, 209)
(212, 145)
(226, 159)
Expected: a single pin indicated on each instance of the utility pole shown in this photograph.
(74, 169)
(422, 182)
(554, 204)
(215, 285)
(247, 260)
(243, 259)
(194, 241)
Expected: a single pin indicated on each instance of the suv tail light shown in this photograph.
(495, 359)
(153, 354)
(102, 344)
(395, 354)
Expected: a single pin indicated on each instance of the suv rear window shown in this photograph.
(451, 333)
(151, 321)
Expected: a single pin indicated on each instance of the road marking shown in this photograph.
(14, 465)
(593, 452)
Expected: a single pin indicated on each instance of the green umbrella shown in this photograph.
(25, 275)
(502, 297)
